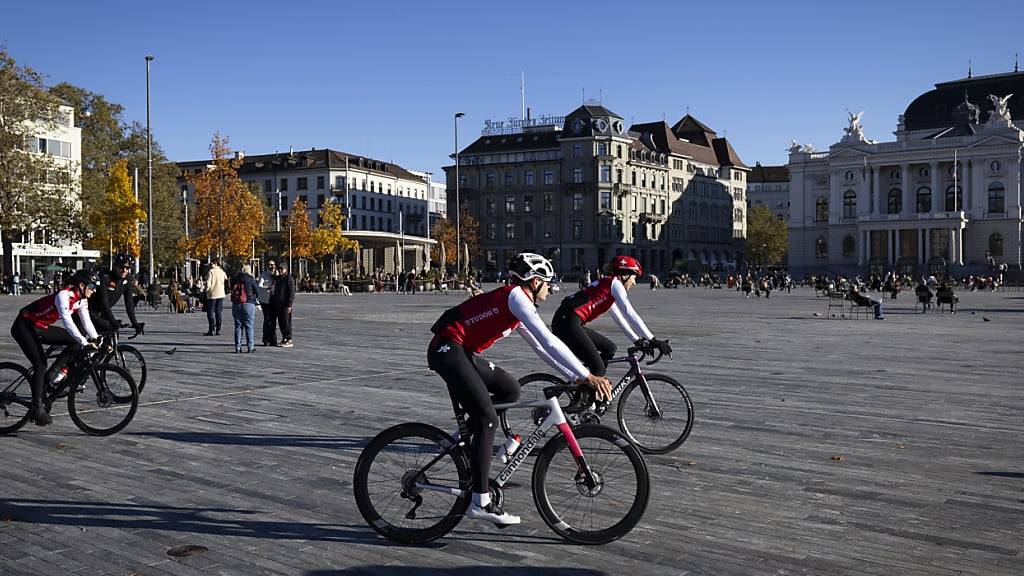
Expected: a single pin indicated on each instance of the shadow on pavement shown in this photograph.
(217, 521)
(487, 570)
(290, 440)
(1003, 474)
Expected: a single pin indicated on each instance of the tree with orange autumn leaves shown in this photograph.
(115, 219)
(228, 217)
(443, 230)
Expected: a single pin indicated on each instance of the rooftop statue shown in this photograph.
(1000, 111)
(854, 131)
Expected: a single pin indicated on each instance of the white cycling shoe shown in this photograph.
(492, 513)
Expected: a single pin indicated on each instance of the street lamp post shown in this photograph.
(149, 172)
(458, 215)
(184, 202)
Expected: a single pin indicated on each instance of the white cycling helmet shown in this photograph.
(527, 265)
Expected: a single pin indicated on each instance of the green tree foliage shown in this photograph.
(36, 191)
(767, 237)
(329, 237)
(106, 139)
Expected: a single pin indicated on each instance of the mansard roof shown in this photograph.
(935, 109)
(761, 173)
(314, 159)
(704, 147)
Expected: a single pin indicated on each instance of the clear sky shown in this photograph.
(384, 78)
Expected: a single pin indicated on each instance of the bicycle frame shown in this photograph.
(634, 372)
(554, 418)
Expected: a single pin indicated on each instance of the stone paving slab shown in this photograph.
(821, 446)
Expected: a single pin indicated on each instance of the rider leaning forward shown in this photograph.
(465, 331)
(607, 294)
(49, 320)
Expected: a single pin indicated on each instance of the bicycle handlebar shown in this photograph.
(644, 352)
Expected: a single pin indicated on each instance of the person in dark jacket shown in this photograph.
(281, 300)
(266, 284)
(243, 308)
(859, 299)
(113, 285)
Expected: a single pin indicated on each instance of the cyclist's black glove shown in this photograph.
(661, 346)
(641, 343)
(140, 328)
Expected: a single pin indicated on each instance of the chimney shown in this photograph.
(239, 154)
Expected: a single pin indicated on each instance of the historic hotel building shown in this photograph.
(906, 204)
(586, 188)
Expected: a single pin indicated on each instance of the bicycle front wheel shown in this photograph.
(128, 357)
(15, 397)
(386, 478)
(105, 404)
(595, 514)
(660, 427)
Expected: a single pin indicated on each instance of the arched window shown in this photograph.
(693, 210)
(895, 201)
(995, 244)
(924, 199)
(714, 213)
(849, 247)
(821, 209)
(850, 204)
(954, 198)
(821, 248)
(703, 211)
(996, 193)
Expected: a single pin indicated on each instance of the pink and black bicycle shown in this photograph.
(590, 484)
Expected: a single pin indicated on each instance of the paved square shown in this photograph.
(821, 446)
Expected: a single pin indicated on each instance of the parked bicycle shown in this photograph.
(654, 410)
(413, 481)
(102, 398)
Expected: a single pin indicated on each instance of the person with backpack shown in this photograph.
(243, 308)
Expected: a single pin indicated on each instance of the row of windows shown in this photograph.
(923, 201)
(302, 183)
(609, 228)
(50, 146)
(939, 245)
(476, 160)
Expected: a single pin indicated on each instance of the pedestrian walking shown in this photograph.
(266, 290)
(281, 300)
(216, 285)
(243, 308)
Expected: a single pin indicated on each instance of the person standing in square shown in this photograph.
(281, 301)
(266, 291)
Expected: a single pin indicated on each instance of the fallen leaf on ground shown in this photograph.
(899, 445)
(60, 446)
(691, 462)
(839, 458)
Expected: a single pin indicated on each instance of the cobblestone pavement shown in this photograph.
(821, 446)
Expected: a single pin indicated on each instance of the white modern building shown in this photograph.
(40, 247)
(769, 186)
(942, 195)
(437, 197)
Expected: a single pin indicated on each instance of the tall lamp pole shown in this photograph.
(149, 172)
(184, 202)
(458, 215)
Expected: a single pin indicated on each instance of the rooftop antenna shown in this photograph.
(600, 95)
(522, 92)
(969, 66)
(687, 110)
(1016, 67)
(584, 95)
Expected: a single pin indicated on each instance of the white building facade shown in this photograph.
(39, 247)
(945, 194)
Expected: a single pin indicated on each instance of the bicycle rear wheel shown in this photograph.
(15, 397)
(104, 405)
(128, 357)
(661, 432)
(605, 512)
(520, 420)
(385, 478)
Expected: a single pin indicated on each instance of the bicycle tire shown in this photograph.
(635, 428)
(11, 422)
(432, 441)
(602, 446)
(119, 358)
(123, 416)
(531, 388)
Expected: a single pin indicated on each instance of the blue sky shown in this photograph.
(384, 78)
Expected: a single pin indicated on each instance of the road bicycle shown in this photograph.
(413, 481)
(102, 398)
(113, 351)
(654, 410)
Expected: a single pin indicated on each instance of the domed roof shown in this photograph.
(937, 108)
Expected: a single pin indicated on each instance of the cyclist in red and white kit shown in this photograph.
(607, 294)
(465, 331)
(37, 324)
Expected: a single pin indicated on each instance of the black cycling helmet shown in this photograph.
(88, 277)
(123, 259)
